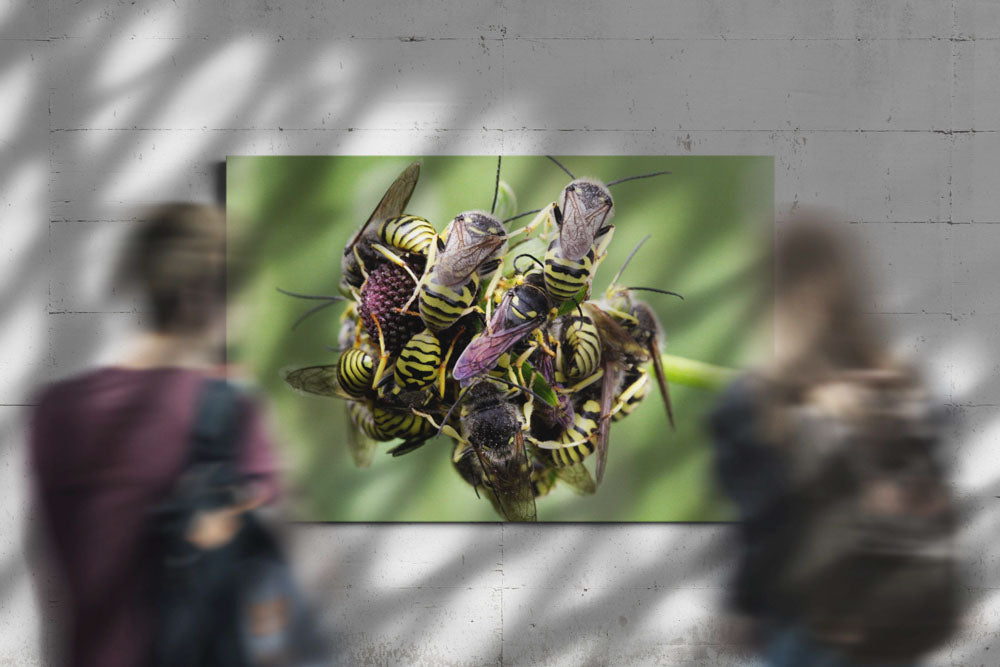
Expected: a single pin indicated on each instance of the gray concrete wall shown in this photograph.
(888, 111)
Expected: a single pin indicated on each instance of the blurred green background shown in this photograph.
(710, 221)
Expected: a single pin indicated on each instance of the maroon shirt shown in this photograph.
(106, 447)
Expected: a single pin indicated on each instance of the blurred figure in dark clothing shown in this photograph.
(109, 445)
(830, 455)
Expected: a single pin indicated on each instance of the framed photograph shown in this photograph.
(454, 338)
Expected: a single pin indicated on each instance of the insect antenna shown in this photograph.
(521, 215)
(323, 297)
(635, 178)
(614, 281)
(330, 300)
(311, 311)
(656, 289)
(562, 166)
(531, 257)
(496, 186)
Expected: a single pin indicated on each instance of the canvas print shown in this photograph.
(485, 338)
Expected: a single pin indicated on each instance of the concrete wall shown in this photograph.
(889, 111)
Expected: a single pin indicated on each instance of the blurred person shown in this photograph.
(110, 446)
(829, 453)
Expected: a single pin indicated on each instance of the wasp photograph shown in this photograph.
(498, 338)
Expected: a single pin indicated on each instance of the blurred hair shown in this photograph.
(818, 296)
(821, 331)
(177, 259)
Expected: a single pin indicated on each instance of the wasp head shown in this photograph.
(646, 329)
(474, 226)
(618, 298)
(590, 195)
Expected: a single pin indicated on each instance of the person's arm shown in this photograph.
(257, 464)
(257, 460)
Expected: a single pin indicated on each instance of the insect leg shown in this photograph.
(443, 369)
(545, 216)
(491, 287)
(383, 356)
(442, 428)
(629, 392)
(361, 264)
(584, 383)
(628, 317)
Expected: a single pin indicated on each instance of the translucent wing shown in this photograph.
(575, 235)
(319, 380)
(392, 203)
(596, 217)
(580, 224)
(485, 349)
(609, 385)
(361, 446)
(661, 379)
(460, 259)
(509, 477)
(578, 478)
(616, 342)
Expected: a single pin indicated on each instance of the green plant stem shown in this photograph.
(699, 374)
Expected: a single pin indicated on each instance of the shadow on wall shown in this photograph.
(130, 121)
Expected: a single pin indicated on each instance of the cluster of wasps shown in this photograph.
(519, 367)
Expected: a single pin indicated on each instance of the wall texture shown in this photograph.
(888, 111)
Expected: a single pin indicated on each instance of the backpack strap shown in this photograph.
(216, 423)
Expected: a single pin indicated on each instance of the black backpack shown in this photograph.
(235, 605)
(872, 568)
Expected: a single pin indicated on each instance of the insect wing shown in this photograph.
(578, 478)
(319, 380)
(575, 235)
(608, 386)
(616, 342)
(407, 447)
(483, 351)
(461, 257)
(392, 203)
(361, 446)
(580, 224)
(661, 379)
(510, 479)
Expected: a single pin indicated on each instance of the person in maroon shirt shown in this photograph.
(108, 446)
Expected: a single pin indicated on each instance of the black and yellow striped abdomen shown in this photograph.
(565, 277)
(355, 372)
(543, 479)
(408, 233)
(400, 424)
(582, 433)
(363, 418)
(441, 305)
(636, 388)
(580, 352)
(418, 361)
